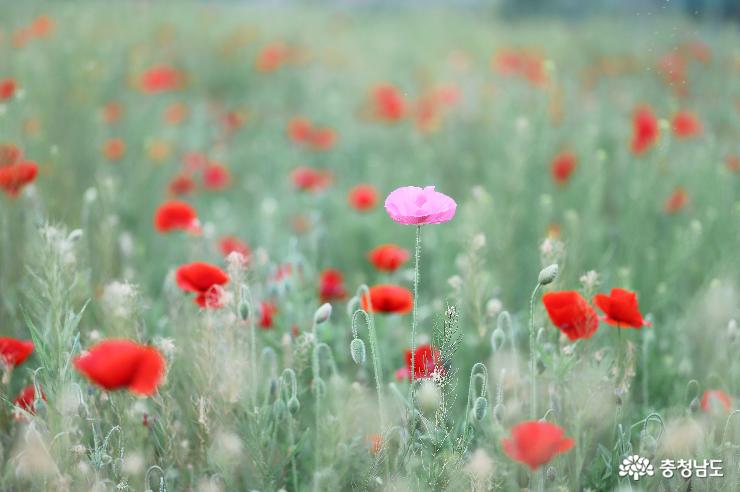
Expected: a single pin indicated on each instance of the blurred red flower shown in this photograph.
(686, 124)
(715, 401)
(112, 112)
(232, 244)
(363, 197)
(392, 299)
(331, 285)
(272, 57)
(114, 149)
(732, 162)
(14, 352)
(388, 104)
(181, 184)
(9, 154)
(267, 311)
(571, 314)
(161, 78)
(388, 257)
(299, 129)
(13, 177)
(310, 179)
(620, 308)
(302, 131)
(562, 167)
(176, 215)
(535, 443)
(676, 202)
(7, 89)
(116, 364)
(26, 399)
(427, 361)
(176, 113)
(201, 278)
(216, 176)
(645, 129)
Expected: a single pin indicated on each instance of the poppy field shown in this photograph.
(313, 249)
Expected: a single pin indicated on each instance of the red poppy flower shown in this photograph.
(272, 57)
(331, 285)
(392, 299)
(388, 257)
(712, 400)
(112, 112)
(232, 244)
(42, 26)
(117, 364)
(686, 124)
(26, 399)
(732, 162)
(201, 278)
(571, 313)
(310, 179)
(676, 201)
(7, 89)
(645, 129)
(299, 129)
(176, 215)
(388, 103)
(267, 311)
(322, 138)
(114, 148)
(181, 185)
(535, 443)
(9, 154)
(14, 177)
(161, 78)
(363, 197)
(562, 167)
(427, 361)
(14, 352)
(620, 308)
(216, 176)
(176, 113)
(194, 161)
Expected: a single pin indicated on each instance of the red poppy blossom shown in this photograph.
(620, 308)
(363, 197)
(676, 201)
(392, 299)
(114, 149)
(9, 154)
(181, 185)
(427, 361)
(713, 400)
(331, 285)
(26, 399)
(201, 278)
(161, 78)
(232, 244)
(686, 124)
(310, 179)
(388, 104)
(116, 364)
(732, 162)
(299, 129)
(176, 215)
(272, 57)
(14, 352)
(176, 113)
(571, 314)
(216, 176)
(322, 138)
(112, 112)
(14, 177)
(562, 167)
(388, 257)
(535, 443)
(7, 89)
(267, 311)
(645, 129)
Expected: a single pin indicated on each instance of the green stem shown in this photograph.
(417, 255)
(532, 356)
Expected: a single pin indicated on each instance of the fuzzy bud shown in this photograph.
(551, 474)
(322, 313)
(357, 349)
(479, 408)
(498, 412)
(243, 310)
(548, 274)
(497, 339)
(294, 405)
(694, 405)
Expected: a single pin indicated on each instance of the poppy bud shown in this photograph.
(498, 412)
(548, 274)
(357, 349)
(648, 444)
(479, 408)
(694, 405)
(497, 339)
(243, 310)
(294, 405)
(551, 474)
(322, 313)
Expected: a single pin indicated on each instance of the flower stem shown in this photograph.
(417, 255)
(532, 356)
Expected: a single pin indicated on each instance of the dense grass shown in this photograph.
(224, 418)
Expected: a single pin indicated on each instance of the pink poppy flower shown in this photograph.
(414, 205)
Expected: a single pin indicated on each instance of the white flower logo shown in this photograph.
(636, 466)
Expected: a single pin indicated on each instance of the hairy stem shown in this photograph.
(532, 356)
